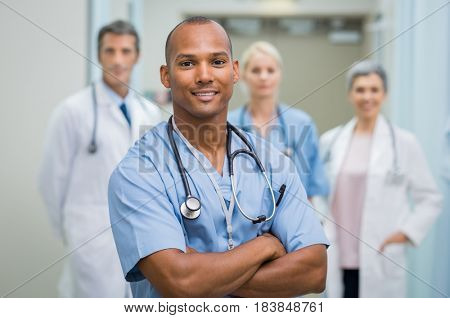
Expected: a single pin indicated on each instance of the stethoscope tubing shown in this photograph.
(181, 169)
(395, 165)
(282, 126)
(92, 148)
(230, 156)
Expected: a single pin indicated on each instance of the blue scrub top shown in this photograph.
(146, 191)
(300, 134)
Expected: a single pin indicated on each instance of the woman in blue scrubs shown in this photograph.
(183, 166)
(290, 130)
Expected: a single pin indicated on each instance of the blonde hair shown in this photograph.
(261, 47)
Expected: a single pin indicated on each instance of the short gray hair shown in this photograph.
(119, 27)
(365, 68)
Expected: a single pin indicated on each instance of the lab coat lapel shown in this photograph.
(104, 100)
(137, 115)
(380, 151)
(340, 147)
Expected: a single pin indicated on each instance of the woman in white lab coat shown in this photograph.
(89, 133)
(382, 197)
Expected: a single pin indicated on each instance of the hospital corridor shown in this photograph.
(225, 148)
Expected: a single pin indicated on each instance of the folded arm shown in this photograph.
(297, 273)
(178, 274)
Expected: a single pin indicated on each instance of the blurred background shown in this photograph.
(46, 51)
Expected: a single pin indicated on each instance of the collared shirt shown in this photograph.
(300, 135)
(118, 100)
(146, 191)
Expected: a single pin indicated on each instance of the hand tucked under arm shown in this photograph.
(178, 274)
(297, 273)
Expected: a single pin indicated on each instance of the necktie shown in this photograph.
(124, 110)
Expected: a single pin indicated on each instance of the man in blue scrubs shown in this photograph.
(219, 253)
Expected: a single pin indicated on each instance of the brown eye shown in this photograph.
(219, 62)
(186, 64)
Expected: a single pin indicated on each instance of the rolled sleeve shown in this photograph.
(143, 219)
(313, 176)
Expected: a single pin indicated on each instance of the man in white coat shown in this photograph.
(89, 133)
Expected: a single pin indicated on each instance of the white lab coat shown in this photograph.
(410, 206)
(74, 186)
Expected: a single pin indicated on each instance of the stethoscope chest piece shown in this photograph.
(92, 148)
(191, 208)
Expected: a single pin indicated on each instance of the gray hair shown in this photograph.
(119, 27)
(365, 68)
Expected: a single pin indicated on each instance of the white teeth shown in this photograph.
(205, 94)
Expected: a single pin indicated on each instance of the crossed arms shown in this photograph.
(258, 268)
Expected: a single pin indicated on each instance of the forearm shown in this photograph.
(205, 274)
(294, 274)
(219, 274)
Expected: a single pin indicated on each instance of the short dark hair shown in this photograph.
(118, 27)
(193, 20)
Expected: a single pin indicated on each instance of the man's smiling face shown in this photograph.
(200, 70)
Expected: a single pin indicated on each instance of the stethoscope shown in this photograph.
(191, 207)
(395, 174)
(288, 151)
(93, 147)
